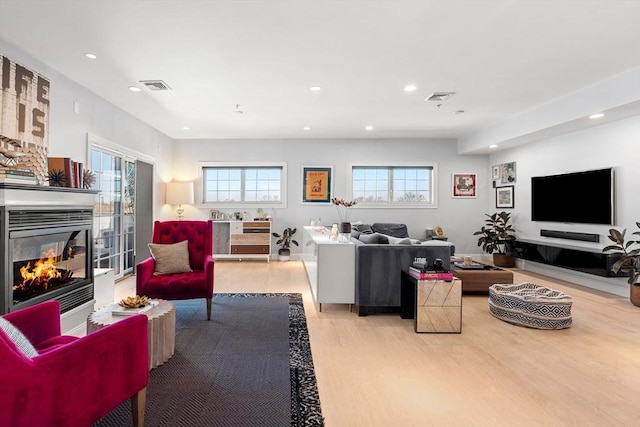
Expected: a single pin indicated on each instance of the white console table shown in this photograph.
(330, 267)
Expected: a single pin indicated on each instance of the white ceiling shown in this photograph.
(500, 57)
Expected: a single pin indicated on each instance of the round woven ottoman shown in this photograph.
(530, 305)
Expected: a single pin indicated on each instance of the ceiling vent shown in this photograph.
(439, 96)
(155, 84)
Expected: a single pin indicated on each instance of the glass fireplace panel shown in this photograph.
(45, 263)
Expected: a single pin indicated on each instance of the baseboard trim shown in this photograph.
(613, 285)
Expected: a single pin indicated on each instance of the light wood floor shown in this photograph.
(375, 371)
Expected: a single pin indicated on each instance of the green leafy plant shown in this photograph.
(497, 234)
(285, 240)
(628, 254)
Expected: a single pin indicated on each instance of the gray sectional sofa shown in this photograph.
(383, 250)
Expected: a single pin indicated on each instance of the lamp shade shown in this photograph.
(179, 193)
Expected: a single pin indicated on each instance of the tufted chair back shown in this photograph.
(188, 285)
(197, 233)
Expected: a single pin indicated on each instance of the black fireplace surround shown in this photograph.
(46, 254)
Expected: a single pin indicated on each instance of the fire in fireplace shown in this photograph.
(40, 278)
(49, 257)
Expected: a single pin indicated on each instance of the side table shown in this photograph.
(161, 331)
(435, 305)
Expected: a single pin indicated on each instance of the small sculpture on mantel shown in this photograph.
(88, 178)
(11, 158)
(56, 178)
(334, 232)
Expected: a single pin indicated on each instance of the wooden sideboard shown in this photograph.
(242, 239)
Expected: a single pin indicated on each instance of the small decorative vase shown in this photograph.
(345, 227)
(634, 295)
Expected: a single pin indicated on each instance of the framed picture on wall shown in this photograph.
(504, 197)
(464, 185)
(508, 173)
(495, 172)
(316, 184)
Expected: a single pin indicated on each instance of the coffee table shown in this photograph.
(161, 331)
(477, 281)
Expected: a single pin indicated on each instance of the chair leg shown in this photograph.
(138, 403)
(209, 308)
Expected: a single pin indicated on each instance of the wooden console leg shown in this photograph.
(138, 403)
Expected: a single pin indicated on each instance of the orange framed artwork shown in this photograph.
(316, 184)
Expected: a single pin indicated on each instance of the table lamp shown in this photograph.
(179, 193)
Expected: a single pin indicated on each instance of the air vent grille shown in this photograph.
(43, 218)
(440, 96)
(155, 84)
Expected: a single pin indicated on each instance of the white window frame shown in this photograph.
(433, 204)
(247, 165)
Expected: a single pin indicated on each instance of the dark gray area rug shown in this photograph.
(250, 365)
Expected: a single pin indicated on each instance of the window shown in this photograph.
(394, 186)
(244, 184)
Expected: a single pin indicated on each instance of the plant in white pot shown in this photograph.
(285, 240)
(628, 260)
(496, 237)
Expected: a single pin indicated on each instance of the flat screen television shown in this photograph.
(580, 197)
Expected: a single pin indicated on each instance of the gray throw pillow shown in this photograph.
(396, 240)
(18, 338)
(371, 239)
(170, 258)
(363, 228)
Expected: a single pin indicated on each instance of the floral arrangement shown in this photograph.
(343, 208)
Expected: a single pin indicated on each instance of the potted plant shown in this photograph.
(285, 240)
(628, 260)
(496, 237)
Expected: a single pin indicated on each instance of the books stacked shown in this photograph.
(423, 274)
(17, 176)
(72, 171)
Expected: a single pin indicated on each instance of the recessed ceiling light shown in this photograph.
(368, 128)
(90, 55)
(316, 88)
(596, 116)
(410, 88)
(186, 128)
(306, 128)
(134, 89)
(493, 146)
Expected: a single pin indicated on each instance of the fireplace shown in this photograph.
(47, 250)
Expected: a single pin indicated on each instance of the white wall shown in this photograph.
(68, 130)
(614, 144)
(459, 218)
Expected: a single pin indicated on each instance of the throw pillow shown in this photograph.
(396, 240)
(371, 239)
(18, 338)
(170, 258)
(363, 228)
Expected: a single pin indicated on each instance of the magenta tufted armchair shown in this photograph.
(194, 284)
(72, 381)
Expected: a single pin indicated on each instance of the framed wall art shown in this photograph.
(504, 197)
(508, 173)
(464, 185)
(316, 184)
(495, 172)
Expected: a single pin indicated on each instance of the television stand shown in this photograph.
(586, 260)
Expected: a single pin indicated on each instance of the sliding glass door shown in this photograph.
(114, 212)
